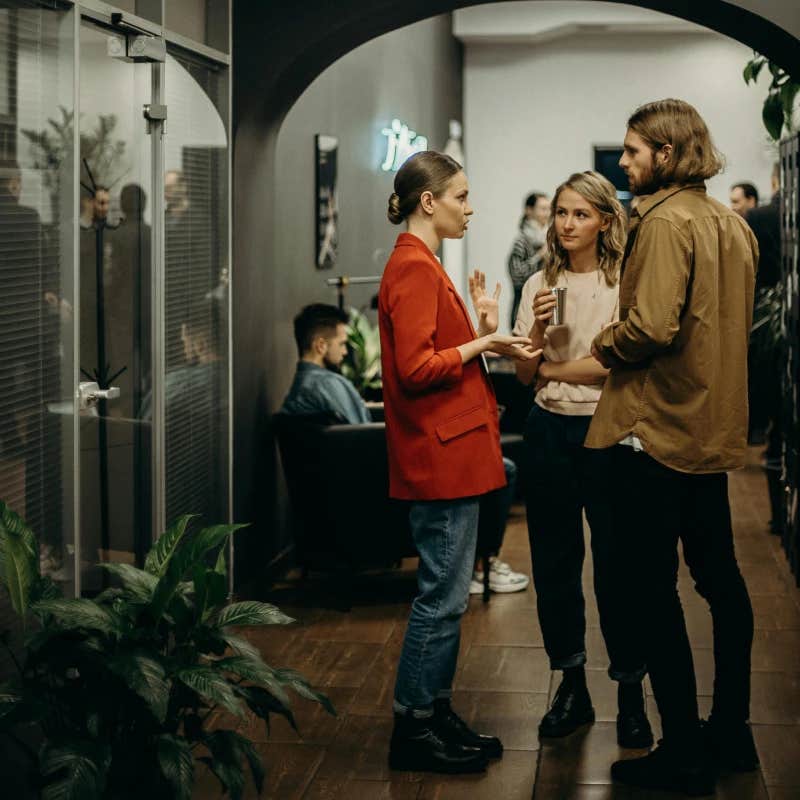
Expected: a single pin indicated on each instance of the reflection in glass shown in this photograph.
(36, 276)
(196, 292)
(115, 270)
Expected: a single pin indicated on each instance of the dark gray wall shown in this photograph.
(414, 74)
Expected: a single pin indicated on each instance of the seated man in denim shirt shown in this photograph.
(321, 335)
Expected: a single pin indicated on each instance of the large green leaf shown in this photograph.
(227, 754)
(145, 676)
(251, 612)
(74, 771)
(162, 551)
(78, 613)
(137, 582)
(240, 645)
(254, 760)
(255, 670)
(212, 685)
(290, 677)
(191, 552)
(177, 765)
(772, 115)
(263, 703)
(19, 559)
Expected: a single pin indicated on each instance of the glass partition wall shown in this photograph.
(115, 259)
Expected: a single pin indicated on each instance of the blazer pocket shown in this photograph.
(462, 423)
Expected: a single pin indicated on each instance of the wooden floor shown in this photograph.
(503, 684)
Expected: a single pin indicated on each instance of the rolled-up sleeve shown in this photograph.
(412, 306)
(653, 319)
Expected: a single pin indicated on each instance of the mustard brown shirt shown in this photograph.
(678, 355)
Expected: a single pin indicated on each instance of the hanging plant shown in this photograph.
(778, 110)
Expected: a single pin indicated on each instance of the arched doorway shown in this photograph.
(279, 52)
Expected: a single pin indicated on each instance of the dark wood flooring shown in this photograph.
(504, 685)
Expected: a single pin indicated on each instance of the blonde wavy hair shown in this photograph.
(602, 196)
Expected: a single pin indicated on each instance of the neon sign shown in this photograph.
(401, 142)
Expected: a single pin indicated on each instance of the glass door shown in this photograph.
(37, 280)
(118, 150)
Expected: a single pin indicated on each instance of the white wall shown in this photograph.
(532, 113)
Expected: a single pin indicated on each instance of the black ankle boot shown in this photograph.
(667, 770)
(730, 746)
(419, 745)
(454, 728)
(572, 706)
(633, 729)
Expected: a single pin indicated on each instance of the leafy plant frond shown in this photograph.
(779, 106)
(257, 671)
(78, 613)
(76, 771)
(162, 551)
(250, 612)
(137, 582)
(19, 559)
(211, 685)
(145, 676)
(177, 765)
(292, 678)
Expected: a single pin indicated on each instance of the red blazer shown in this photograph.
(442, 428)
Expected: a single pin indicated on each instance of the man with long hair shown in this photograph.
(672, 419)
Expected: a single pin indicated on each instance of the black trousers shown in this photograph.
(654, 507)
(561, 483)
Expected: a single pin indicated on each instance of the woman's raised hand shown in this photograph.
(486, 306)
(543, 304)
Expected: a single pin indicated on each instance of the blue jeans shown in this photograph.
(445, 532)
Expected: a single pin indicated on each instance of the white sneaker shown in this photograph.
(502, 578)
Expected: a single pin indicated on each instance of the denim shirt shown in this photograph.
(316, 390)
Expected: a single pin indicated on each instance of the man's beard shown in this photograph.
(649, 182)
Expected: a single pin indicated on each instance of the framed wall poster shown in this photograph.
(327, 213)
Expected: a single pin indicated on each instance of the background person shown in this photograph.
(529, 246)
(744, 196)
(443, 444)
(586, 241)
(671, 421)
(764, 361)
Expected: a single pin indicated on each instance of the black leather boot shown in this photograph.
(730, 746)
(667, 770)
(572, 706)
(418, 745)
(455, 729)
(633, 728)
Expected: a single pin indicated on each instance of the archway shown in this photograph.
(303, 42)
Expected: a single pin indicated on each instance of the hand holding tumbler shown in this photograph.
(560, 308)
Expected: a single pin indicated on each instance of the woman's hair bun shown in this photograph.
(394, 213)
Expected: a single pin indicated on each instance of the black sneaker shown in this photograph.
(730, 746)
(455, 729)
(572, 707)
(664, 770)
(418, 745)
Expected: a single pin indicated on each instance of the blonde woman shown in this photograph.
(585, 245)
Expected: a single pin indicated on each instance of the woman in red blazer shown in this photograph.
(444, 451)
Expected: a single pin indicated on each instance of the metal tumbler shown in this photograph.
(560, 309)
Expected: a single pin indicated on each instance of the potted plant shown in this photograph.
(362, 365)
(118, 689)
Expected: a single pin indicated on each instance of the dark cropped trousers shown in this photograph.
(562, 483)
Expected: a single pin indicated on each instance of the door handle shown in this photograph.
(89, 392)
